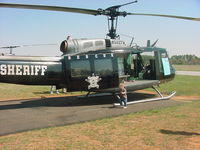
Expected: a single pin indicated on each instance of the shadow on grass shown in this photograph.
(178, 132)
(44, 92)
(70, 101)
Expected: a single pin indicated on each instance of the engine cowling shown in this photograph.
(64, 46)
(84, 45)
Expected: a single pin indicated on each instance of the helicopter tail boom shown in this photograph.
(31, 70)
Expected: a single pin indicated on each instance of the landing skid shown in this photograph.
(151, 99)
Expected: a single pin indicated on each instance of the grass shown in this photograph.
(13, 91)
(183, 85)
(169, 128)
(187, 67)
(9, 91)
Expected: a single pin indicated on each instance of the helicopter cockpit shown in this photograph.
(147, 65)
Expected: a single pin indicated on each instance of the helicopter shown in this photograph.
(11, 47)
(93, 65)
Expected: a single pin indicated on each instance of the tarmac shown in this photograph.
(23, 115)
(189, 73)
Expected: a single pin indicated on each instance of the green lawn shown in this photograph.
(13, 91)
(187, 67)
(10, 91)
(168, 128)
(173, 128)
(183, 85)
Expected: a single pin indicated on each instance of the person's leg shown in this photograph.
(51, 90)
(57, 92)
(119, 100)
(64, 90)
(124, 100)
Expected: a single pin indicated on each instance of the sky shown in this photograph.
(24, 27)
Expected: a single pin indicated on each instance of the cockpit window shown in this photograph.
(164, 55)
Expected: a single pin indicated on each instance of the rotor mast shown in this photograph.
(112, 26)
(112, 16)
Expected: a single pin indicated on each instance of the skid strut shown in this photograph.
(157, 91)
(151, 99)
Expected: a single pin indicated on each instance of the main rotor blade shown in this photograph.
(51, 8)
(88, 11)
(168, 16)
(38, 45)
(16, 46)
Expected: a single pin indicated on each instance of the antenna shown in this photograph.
(132, 38)
(154, 43)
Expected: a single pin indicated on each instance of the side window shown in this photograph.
(165, 64)
(120, 66)
(147, 56)
(80, 68)
(103, 67)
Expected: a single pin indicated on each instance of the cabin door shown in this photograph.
(80, 71)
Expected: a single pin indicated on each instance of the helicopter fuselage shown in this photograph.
(90, 70)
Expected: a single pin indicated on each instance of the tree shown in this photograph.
(185, 60)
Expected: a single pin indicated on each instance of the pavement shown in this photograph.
(189, 73)
(23, 115)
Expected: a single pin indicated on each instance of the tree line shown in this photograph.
(185, 60)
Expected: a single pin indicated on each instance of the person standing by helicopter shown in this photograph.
(122, 95)
(52, 88)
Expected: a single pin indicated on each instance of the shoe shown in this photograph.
(124, 107)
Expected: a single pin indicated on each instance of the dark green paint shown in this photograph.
(59, 70)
